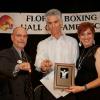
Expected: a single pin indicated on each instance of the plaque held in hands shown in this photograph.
(64, 75)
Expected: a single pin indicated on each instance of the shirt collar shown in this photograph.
(19, 51)
(62, 37)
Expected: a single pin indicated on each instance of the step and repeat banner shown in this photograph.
(34, 23)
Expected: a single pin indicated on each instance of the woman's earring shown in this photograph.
(80, 44)
(93, 41)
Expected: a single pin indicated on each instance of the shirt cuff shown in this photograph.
(16, 70)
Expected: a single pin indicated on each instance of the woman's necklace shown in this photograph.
(83, 56)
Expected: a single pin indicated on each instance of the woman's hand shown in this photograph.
(75, 89)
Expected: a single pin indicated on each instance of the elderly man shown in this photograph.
(15, 69)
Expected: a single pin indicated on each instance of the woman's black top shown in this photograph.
(87, 73)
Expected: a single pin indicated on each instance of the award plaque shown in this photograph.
(64, 75)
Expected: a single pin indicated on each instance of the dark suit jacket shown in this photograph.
(12, 88)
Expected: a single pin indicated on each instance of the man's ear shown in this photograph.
(61, 24)
(12, 37)
(46, 27)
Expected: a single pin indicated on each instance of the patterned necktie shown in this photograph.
(24, 58)
(28, 85)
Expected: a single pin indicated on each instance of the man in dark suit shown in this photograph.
(15, 73)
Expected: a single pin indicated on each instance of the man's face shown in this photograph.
(19, 38)
(54, 25)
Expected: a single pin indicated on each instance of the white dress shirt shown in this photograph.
(62, 50)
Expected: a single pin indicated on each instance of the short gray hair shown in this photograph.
(53, 12)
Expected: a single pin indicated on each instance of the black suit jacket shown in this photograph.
(12, 88)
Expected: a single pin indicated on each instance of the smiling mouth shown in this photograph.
(86, 40)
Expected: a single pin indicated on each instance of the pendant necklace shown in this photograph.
(82, 57)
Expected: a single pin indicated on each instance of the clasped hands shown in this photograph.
(25, 66)
(46, 65)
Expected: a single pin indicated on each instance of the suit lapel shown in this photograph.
(15, 53)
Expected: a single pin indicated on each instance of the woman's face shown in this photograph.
(86, 38)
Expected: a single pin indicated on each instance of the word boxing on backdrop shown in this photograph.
(35, 22)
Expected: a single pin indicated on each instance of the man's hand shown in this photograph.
(25, 66)
(46, 65)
